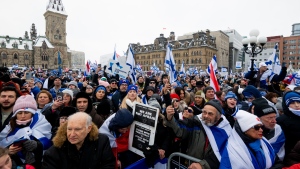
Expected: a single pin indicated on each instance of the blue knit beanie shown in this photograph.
(251, 91)
(132, 87)
(230, 94)
(122, 119)
(291, 97)
(123, 81)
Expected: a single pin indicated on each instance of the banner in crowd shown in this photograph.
(118, 67)
(143, 128)
(238, 65)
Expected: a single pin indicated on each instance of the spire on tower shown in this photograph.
(56, 6)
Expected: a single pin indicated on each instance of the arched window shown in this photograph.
(44, 56)
(15, 56)
(26, 56)
(200, 61)
(46, 66)
(43, 66)
(4, 55)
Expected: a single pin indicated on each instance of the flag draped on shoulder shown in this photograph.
(131, 63)
(211, 70)
(273, 62)
(170, 63)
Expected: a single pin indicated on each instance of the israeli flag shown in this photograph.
(131, 63)
(273, 62)
(182, 69)
(170, 63)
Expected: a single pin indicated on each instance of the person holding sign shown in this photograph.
(116, 127)
(131, 98)
(207, 133)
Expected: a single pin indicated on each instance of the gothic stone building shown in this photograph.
(195, 51)
(39, 51)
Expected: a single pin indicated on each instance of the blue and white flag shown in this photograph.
(182, 69)
(154, 68)
(273, 62)
(138, 68)
(131, 63)
(116, 56)
(223, 69)
(170, 64)
(196, 72)
(59, 64)
(15, 66)
(254, 66)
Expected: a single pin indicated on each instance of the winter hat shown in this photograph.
(246, 120)
(123, 81)
(103, 83)
(251, 91)
(174, 96)
(68, 91)
(290, 97)
(73, 83)
(263, 109)
(100, 88)
(279, 103)
(103, 79)
(262, 64)
(122, 119)
(198, 94)
(25, 103)
(103, 108)
(67, 111)
(132, 87)
(113, 80)
(199, 83)
(259, 101)
(154, 103)
(230, 94)
(86, 96)
(150, 88)
(215, 103)
(38, 81)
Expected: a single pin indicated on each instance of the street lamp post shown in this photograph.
(255, 47)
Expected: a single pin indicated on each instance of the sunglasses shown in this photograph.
(152, 82)
(257, 127)
(113, 83)
(189, 110)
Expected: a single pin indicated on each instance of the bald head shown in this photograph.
(81, 116)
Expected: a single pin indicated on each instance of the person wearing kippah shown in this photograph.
(27, 134)
(290, 120)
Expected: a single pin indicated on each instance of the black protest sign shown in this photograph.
(141, 137)
(145, 115)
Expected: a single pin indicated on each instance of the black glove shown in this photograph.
(283, 64)
(104, 67)
(151, 155)
(29, 158)
(30, 145)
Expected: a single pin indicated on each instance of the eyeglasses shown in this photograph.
(189, 110)
(257, 127)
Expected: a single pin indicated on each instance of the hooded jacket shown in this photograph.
(289, 123)
(95, 152)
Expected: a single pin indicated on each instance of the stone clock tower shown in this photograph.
(56, 18)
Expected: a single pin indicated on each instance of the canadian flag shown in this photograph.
(88, 68)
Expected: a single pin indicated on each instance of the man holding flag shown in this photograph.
(265, 77)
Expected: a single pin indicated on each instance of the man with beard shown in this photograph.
(120, 94)
(207, 134)
(140, 83)
(8, 97)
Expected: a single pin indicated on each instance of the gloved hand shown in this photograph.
(104, 67)
(30, 145)
(151, 155)
(29, 157)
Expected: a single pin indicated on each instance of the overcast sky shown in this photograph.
(94, 26)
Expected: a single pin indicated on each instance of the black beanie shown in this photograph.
(216, 104)
(150, 88)
(67, 111)
(122, 119)
(259, 101)
(263, 109)
(103, 108)
(86, 96)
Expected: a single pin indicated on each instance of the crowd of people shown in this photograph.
(55, 121)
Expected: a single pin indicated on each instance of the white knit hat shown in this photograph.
(69, 92)
(246, 120)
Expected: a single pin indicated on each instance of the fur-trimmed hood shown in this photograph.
(61, 135)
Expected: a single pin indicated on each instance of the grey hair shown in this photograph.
(85, 115)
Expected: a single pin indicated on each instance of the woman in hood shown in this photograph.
(131, 98)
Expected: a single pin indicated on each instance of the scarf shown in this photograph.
(259, 156)
(277, 142)
(19, 122)
(237, 154)
(39, 128)
(217, 135)
(296, 112)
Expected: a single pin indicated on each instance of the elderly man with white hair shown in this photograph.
(78, 144)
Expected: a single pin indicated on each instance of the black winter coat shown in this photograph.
(92, 155)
